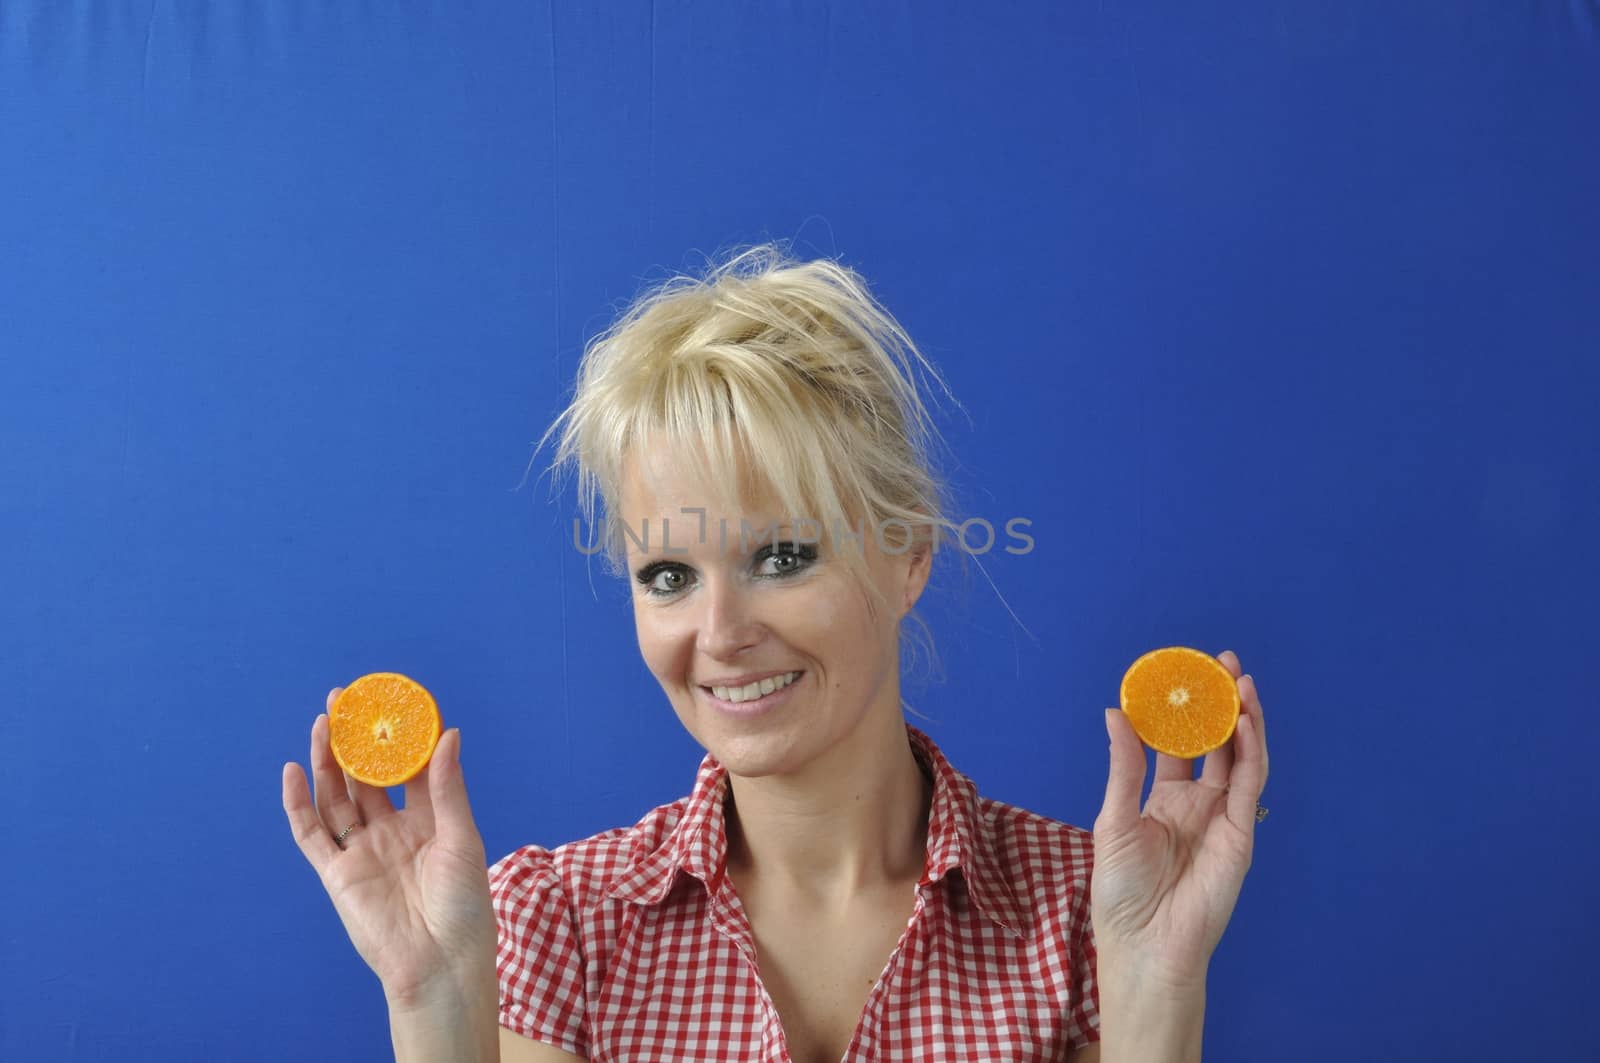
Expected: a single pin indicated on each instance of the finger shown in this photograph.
(333, 796)
(373, 801)
(1169, 768)
(1219, 762)
(310, 833)
(1249, 775)
(419, 801)
(1124, 780)
(1249, 696)
(1181, 769)
(448, 791)
(370, 802)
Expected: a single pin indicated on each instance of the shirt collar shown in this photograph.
(958, 840)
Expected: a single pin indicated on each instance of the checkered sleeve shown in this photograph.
(540, 959)
(1084, 1017)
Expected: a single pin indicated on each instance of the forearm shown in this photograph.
(457, 1024)
(1145, 1019)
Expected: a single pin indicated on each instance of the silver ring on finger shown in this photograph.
(344, 834)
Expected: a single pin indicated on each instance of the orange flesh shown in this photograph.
(383, 728)
(1181, 701)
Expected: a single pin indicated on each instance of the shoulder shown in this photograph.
(581, 871)
(1035, 843)
(1047, 863)
(557, 928)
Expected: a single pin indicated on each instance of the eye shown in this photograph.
(789, 558)
(666, 579)
(663, 579)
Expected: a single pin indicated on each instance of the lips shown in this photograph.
(750, 690)
(755, 706)
(745, 680)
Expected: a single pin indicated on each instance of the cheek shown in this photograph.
(666, 647)
(840, 626)
(648, 634)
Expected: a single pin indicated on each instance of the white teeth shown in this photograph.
(756, 689)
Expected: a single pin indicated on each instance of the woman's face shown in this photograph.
(711, 615)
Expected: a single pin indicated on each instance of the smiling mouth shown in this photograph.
(754, 691)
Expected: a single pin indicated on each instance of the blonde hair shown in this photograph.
(792, 369)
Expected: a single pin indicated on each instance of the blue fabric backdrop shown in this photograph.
(1277, 320)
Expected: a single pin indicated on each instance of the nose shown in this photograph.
(728, 624)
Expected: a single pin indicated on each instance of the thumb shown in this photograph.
(447, 789)
(1125, 778)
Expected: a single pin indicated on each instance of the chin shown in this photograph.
(750, 755)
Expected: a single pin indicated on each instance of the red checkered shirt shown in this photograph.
(607, 951)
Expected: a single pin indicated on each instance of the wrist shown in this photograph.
(447, 1021)
(447, 989)
(1148, 1014)
(1132, 965)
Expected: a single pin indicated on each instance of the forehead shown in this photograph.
(662, 477)
(662, 486)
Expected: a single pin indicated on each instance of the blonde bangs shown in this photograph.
(777, 380)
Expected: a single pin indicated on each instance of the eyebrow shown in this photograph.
(655, 554)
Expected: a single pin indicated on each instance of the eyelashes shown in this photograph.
(804, 553)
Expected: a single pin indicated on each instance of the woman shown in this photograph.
(832, 887)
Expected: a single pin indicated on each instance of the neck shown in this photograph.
(854, 822)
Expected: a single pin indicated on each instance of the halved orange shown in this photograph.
(383, 727)
(1180, 701)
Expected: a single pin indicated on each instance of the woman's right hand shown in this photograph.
(410, 885)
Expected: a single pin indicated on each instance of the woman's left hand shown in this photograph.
(1165, 883)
